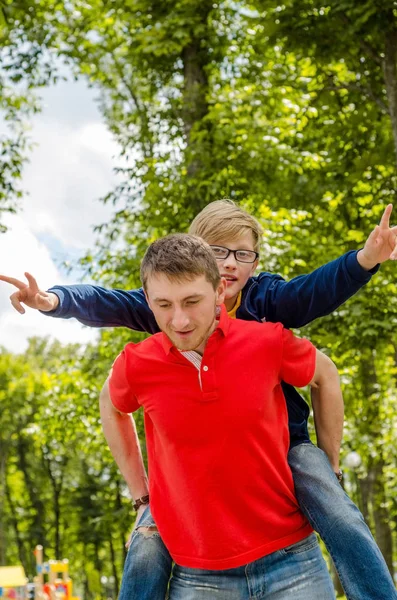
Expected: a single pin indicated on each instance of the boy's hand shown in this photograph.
(381, 243)
(30, 294)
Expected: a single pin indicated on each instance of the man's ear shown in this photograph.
(221, 292)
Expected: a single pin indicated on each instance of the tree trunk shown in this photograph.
(37, 529)
(195, 60)
(389, 65)
(119, 506)
(14, 523)
(3, 464)
(57, 514)
(57, 485)
(114, 566)
(364, 488)
(97, 559)
(383, 532)
(87, 595)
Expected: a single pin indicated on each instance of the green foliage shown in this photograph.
(23, 67)
(59, 477)
(286, 108)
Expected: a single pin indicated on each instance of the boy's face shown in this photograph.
(235, 272)
(185, 310)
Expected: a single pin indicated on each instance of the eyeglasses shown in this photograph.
(244, 256)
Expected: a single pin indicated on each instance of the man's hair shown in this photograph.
(222, 221)
(180, 257)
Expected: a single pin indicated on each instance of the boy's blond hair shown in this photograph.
(222, 221)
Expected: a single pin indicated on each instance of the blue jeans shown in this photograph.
(358, 561)
(297, 572)
(148, 565)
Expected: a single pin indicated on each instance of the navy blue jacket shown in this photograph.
(266, 297)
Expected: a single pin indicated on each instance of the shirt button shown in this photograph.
(205, 368)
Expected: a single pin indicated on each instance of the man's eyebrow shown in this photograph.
(191, 297)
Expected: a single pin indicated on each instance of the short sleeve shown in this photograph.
(298, 361)
(120, 388)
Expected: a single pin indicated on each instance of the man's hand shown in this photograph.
(381, 243)
(30, 294)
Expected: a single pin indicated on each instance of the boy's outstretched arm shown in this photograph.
(307, 297)
(90, 304)
(328, 408)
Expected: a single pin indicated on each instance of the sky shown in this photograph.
(70, 168)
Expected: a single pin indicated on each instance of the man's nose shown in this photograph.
(180, 320)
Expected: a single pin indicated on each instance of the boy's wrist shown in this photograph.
(54, 300)
(366, 263)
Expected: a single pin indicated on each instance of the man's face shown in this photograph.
(236, 273)
(186, 310)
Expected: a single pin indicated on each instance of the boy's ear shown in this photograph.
(221, 292)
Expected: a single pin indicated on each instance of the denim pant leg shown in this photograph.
(147, 568)
(360, 565)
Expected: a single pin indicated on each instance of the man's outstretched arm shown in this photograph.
(328, 408)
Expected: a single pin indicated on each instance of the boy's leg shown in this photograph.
(358, 561)
(148, 564)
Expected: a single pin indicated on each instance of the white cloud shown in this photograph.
(70, 168)
(20, 251)
(69, 171)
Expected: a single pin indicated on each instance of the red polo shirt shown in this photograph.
(222, 493)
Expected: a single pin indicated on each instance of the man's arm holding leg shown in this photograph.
(328, 408)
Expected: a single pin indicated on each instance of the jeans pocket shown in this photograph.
(308, 543)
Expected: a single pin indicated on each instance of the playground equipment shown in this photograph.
(55, 588)
(13, 582)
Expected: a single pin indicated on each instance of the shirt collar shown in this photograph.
(221, 329)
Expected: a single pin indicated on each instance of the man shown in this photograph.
(216, 425)
(235, 237)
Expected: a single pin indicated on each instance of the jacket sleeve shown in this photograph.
(304, 298)
(98, 307)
